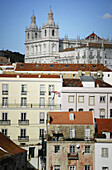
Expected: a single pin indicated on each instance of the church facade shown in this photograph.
(45, 46)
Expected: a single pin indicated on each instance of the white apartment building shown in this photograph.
(25, 101)
(87, 94)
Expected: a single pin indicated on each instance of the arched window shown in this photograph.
(71, 109)
(28, 35)
(35, 35)
(71, 116)
(52, 32)
(45, 32)
(80, 109)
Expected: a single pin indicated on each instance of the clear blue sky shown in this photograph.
(75, 17)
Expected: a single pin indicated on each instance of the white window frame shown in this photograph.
(51, 102)
(4, 116)
(22, 132)
(42, 117)
(23, 116)
(102, 99)
(72, 148)
(87, 133)
(41, 132)
(42, 102)
(23, 89)
(42, 89)
(56, 167)
(91, 100)
(5, 89)
(102, 113)
(4, 131)
(56, 149)
(72, 167)
(81, 99)
(87, 149)
(71, 99)
(51, 88)
(104, 152)
(72, 133)
(23, 101)
(4, 101)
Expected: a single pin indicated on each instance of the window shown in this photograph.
(71, 116)
(51, 88)
(5, 101)
(4, 116)
(35, 35)
(104, 152)
(23, 133)
(42, 115)
(28, 35)
(4, 89)
(87, 149)
(87, 167)
(31, 152)
(42, 89)
(4, 131)
(80, 110)
(102, 113)
(72, 167)
(52, 32)
(70, 110)
(87, 133)
(41, 133)
(45, 33)
(23, 89)
(23, 101)
(110, 113)
(81, 99)
(42, 101)
(72, 149)
(104, 168)
(72, 133)
(110, 99)
(71, 99)
(102, 99)
(56, 149)
(23, 116)
(92, 100)
(56, 167)
(51, 102)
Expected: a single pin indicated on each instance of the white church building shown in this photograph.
(45, 46)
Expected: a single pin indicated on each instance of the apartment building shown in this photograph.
(87, 94)
(103, 144)
(70, 142)
(25, 101)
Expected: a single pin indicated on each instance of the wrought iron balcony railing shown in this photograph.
(23, 138)
(23, 122)
(73, 156)
(4, 92)
(5, 122)
(46, 106)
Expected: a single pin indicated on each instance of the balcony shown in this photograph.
(73, 156)
(4, 92)
(28, 106)
(5, 122)
(23, 122)
(23, 92)
(23, 138)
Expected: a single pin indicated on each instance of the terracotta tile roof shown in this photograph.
(81, 118)
(67, 49)
(96, 45)
(93, 35)
(104, 125)
(60, 67)
(9, 146)
(72, 83)
(101, 83)
(29, 75)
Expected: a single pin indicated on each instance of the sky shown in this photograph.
(74, 17)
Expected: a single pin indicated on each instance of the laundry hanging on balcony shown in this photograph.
(53, 94)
